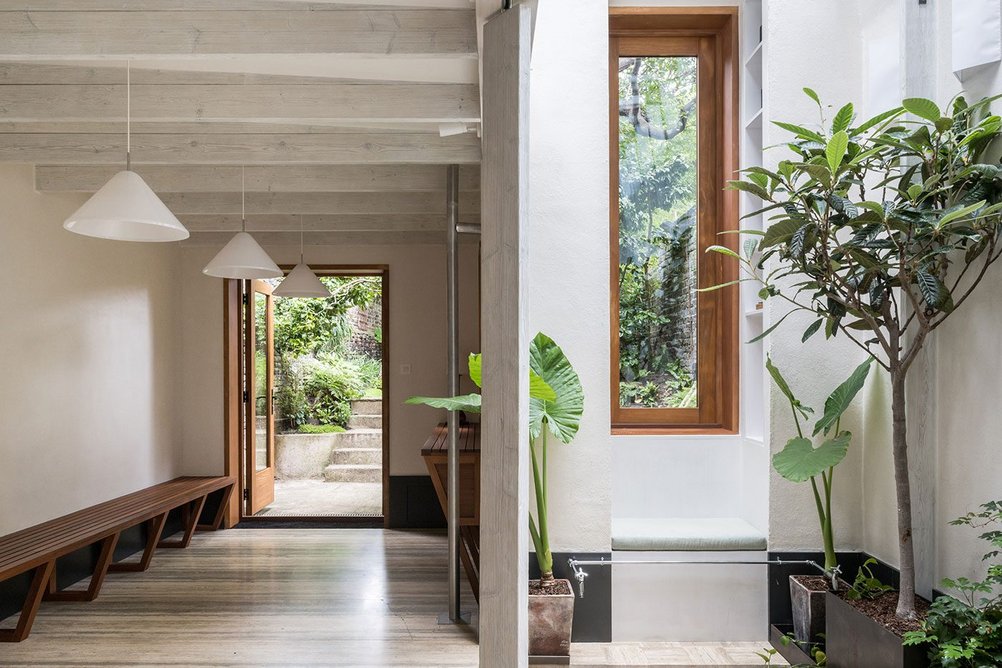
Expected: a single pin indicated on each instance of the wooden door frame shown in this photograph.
(233, 410)
(260, 482)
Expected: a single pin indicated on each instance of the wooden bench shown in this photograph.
(37, 548)
(436, 458)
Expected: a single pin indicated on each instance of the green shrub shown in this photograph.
(966, 630)
(321, 429)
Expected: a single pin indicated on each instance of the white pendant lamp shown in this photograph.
(125, 208)
(242, 257)
(301, 281)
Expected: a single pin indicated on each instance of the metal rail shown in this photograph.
(580, 574)
(452, 245)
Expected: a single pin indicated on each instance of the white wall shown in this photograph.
(569, 249)
(417, 336)
(87, 394)
(815, 44)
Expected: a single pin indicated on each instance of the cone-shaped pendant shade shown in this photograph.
(302, 282)
(242, 257)
(126, 209)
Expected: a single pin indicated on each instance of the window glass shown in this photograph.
(658, 257)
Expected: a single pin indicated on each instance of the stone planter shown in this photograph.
(808, 602)
(550, 621)
(852, 640)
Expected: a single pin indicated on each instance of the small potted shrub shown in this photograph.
(556, 403)
(799, 461)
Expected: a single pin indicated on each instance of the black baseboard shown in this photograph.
(593, 613)
(414, 503)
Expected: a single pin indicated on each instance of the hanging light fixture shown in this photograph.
(242, 257)
(125, 208)
(301, 281)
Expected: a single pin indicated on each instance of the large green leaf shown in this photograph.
(922, 108)
(840, 399)
(835, 150)
(476, 364)
(800, 460)
(843, 118)
(784, 387)
(563, 414)
(469, 403)
(538, 389)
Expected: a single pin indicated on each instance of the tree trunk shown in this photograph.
(902, 484)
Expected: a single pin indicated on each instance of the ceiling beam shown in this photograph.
(417, 222)
(317, 203)
(244, 149)
(282, 178)
(273, 239)
(386, 103)
(43, 35)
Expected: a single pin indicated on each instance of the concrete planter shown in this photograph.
(550, 621)
(852, 640)
(808, 609)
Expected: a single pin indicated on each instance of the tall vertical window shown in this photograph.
(673, 132)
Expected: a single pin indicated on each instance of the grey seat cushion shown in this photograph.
(685, 534)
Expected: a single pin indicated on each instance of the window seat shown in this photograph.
(670, 534)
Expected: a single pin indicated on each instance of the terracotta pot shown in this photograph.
(854, 640)
(550, 620)
(808, 610)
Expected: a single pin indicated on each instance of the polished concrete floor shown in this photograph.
(295, 597)
(317, 498)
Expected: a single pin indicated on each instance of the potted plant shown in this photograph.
(556, 403)
(966, 631)
(881, 230)
(799, 461)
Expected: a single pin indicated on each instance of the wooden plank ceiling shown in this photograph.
(332, 108)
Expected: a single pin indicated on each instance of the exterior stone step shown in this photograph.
(366, 406)
(353, 473)
(359, 438)
(357, 456)
(365, 421)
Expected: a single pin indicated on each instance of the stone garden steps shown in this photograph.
(360, 438)
(366, 406)
(365, 421)
(357, 456)
(353, 473)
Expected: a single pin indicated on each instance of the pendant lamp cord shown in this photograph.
(300, 238)
(243, 213)
(128, 115)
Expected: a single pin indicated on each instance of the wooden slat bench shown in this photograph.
(436, 458)
(37, 548)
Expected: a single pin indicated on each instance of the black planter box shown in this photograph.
(854, 640)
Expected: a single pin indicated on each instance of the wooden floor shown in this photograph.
(292, 597)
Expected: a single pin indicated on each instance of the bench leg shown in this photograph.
(217, 520)
(36, 591)
(191, 520)
(155, 528)
(96, 580)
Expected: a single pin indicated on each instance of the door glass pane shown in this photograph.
(657, 231)
(261, 425)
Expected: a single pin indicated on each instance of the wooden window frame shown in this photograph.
(710, 33)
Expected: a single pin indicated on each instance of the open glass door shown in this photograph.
(260, 365)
